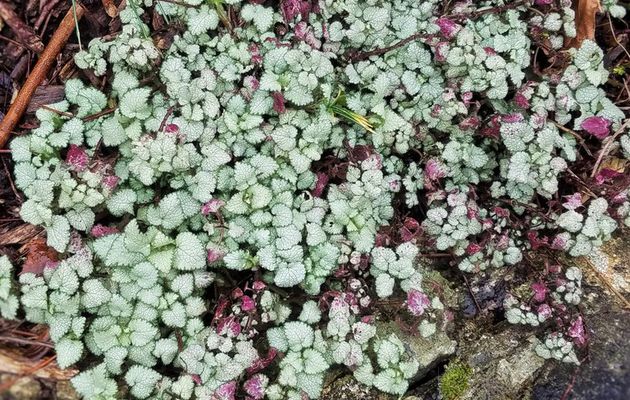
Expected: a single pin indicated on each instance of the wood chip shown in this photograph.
(20, 234)
(45, 95)
(44, 64)
(24, 33)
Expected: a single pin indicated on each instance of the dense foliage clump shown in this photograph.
(307, 152)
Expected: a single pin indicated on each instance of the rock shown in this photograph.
(347, 388)
(503, 365)
(609, 266)
(429, 351)
(25, 388)
(606, 374)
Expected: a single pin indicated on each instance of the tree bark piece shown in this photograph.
(14, 362)
(19, 235)
(24, 32)
(585, 16)
(46, 61)
(45, 95)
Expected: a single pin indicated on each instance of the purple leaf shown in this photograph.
(255, 386)
(606, 174)
(214, 255)
(278, 102)
(101, 230)
(434, 169)
(247, 304)
(212, 206)
(320, 185)
(77, 158)
(227, 391)
(448, 28)
(573, 201)
(540, 291)
(597, 126)
(544, 311)
(576, 331)
(417, 302)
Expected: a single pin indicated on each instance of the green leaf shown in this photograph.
(135, 104)
(35, 213)
(95, 384)
(68, 352)
(58, 233)
(81, 218)
(113, 132)
(142, 332)
(121, 202)
(142, 381)
(190, 253)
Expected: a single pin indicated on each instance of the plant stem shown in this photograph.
(76, 23)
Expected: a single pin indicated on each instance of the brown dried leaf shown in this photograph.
(38, 256)
(615, 164)
(110, 8)
(585, 15)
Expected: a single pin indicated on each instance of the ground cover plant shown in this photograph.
(232, 209)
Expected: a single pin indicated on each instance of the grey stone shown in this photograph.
(429, 351)
(606, 374)
(503, 365)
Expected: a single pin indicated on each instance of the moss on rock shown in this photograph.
(455, 380)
